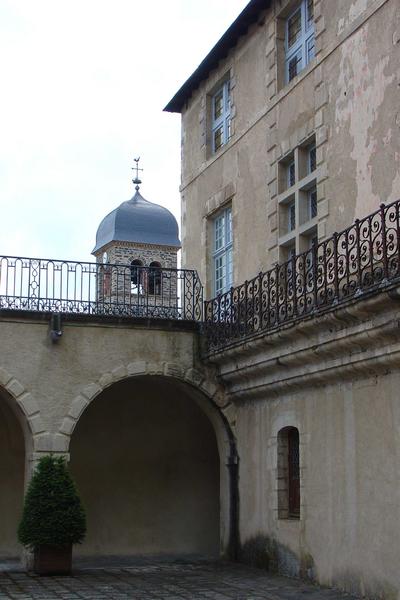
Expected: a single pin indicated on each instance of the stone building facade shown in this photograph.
(290, 134)
(264, 425)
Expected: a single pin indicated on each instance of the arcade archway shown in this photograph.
(146, 461)
(12, 475)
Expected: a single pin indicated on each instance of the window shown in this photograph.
(291, 174)
(222, 251)
(221, 117)
(288, 473)
(155, 279)
(136, 277)
(312, 202)
(292, 216)
(311, 158)
(299, 39)
(297, 200)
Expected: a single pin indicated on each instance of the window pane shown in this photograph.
(218, 137)
(312, 200)
(228, 129)
(312, 159)
(218, 104)
(292, 216)
(220, 271)
(291, 172)
(310, 12)
(294, 66)
(294, 472)
(219, 232)
(229, 268)
(310, 49)
(294, 28)
(228, 226)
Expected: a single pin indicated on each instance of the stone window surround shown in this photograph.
(283, 470)
(221, 123)
(272, 491)
(284, 54)
(205, 116)
(215, 203)
(297, 194)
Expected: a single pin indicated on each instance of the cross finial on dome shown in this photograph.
(136, 181)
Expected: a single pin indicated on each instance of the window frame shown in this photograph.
(289, 473)
(303, 48)
(223, 121)
(222, 253)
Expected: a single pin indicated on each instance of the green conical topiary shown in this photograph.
(53, 514)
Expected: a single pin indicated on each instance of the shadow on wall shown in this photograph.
(266, 553)
(145, 460)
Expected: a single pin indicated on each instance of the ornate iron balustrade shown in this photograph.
(44, 285)
(361, 258)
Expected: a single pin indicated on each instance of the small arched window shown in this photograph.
(288, 473)
(155, 279)
(136, 276)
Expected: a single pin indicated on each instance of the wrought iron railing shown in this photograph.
(44, 285)
(361, 258)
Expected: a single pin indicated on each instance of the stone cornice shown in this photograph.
(361, 339)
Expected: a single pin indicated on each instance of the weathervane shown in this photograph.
(136, 181)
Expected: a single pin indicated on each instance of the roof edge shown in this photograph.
(229, 39)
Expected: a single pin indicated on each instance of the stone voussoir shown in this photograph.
(28, 404)
(137, 368)
(15, 388)
(91, 390)
(78, 406)
(4, 377)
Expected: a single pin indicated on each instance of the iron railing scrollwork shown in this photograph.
(44, 285)
(360, 258)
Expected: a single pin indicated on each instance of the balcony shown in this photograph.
(99, 290)
(357, 262)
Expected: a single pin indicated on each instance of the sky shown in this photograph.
(83, 87)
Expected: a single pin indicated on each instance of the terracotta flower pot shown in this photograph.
(53, 560)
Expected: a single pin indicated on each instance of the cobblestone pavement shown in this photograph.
(160, 581)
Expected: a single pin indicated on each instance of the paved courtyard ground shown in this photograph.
(162, 581)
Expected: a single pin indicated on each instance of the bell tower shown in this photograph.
(136, 248)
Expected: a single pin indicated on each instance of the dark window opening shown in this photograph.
(155, 279)
(288, 473)
(136, 276)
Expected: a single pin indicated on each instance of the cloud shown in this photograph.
(83, 89)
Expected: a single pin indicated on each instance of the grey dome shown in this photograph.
(138, 220)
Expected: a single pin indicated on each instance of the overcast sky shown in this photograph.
(83, 85)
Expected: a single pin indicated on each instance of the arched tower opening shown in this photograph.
(146, 460)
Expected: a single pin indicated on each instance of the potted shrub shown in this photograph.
(53, 517)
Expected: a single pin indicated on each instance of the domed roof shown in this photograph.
(138, 220)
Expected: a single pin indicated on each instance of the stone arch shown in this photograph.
(26, 410)
(19, 420)
(207, 395)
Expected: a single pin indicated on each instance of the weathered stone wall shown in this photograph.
(347, 98)
(336, 379)
(123, 253)
(52, 384)
(115, 285)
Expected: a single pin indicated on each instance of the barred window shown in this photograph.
(288, 473)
